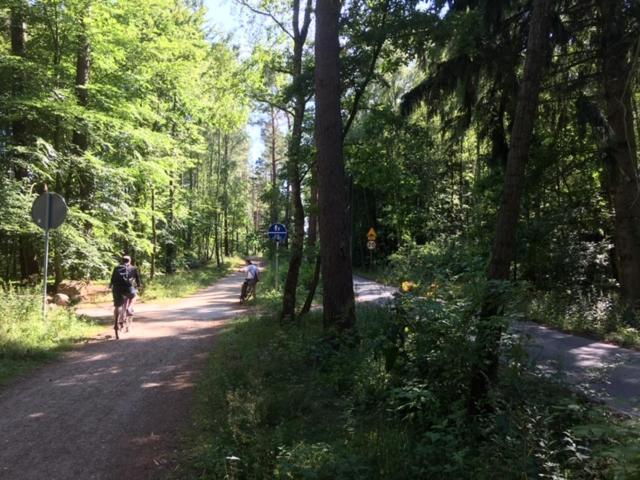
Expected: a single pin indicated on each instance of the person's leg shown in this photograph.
(116, 306)
(131, 300)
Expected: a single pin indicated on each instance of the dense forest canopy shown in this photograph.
(136, 116)
(135, 113)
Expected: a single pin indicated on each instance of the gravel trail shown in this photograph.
(115, 409)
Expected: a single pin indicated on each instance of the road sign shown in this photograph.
(277, 232)
(371, 244)
(371, 235)
(49, 210)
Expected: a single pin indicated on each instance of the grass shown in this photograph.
(27, 341)
(187, 282)
(277, 402)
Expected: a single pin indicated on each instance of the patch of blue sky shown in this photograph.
(226, 17)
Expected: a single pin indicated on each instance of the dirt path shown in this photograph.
(114, 409)
(604, 372)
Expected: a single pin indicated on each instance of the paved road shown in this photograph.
(602, 371)
(114, 409)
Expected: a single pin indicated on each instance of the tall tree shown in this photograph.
(299, 35)
(617, 46)
(502, 253)
(337, 276)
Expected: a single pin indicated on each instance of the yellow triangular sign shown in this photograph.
(371, 235)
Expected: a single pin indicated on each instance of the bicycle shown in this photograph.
(124, 320)
(249, 291)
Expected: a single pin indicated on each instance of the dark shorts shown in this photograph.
(119, 296)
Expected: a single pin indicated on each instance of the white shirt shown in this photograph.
(252, 272)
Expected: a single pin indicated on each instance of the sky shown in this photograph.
(224, 16)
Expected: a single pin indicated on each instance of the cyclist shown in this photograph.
(125, 279)
(253, 275)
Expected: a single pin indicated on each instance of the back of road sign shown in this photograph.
(51, 205)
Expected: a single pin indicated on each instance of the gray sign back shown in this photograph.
(57, 210)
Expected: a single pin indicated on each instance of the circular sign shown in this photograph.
(277, 232)
(49, 210)
(371, 245)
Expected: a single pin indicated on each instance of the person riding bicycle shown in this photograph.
(125, 280)
(253, 276)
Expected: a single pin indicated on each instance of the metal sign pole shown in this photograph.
(277, 245)
(47, 224)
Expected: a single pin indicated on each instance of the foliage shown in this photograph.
(26, 340)
(289, 405)
(150, 162)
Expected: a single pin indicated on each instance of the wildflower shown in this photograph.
(408, 286)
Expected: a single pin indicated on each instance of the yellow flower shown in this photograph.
(408, 286)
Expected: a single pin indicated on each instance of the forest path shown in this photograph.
(115, 409)
(602, 371)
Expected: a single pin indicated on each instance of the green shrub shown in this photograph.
(289, 405)
(26, 340)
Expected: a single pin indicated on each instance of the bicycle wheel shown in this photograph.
(121, 320)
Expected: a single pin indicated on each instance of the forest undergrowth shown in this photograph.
(278, 401)
(589, 309)
(26, 340)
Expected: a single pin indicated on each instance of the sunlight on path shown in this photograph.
(115, 408)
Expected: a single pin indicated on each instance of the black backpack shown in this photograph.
(121, 277)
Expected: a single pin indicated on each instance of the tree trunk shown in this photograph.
(297, 237)
(170, 246)
(489, 330)
(337, 277)
(154, 235)
(293, 164)
(312, 236)
(274, 169)
(313, 285)
(83, 64)
(27, 251)
(617, 73)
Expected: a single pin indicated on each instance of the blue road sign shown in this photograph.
(277, 232)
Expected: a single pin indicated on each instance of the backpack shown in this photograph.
(121, 277)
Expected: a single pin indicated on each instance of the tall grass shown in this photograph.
(26, 340)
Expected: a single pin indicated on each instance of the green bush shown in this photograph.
(289, 405)
(27, 340)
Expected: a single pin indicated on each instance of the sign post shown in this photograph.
(48, 211)
(371, 244)
(277, 233)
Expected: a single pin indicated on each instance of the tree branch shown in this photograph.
(268, 15)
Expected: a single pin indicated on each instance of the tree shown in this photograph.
(337, 277)
(621, 154)
(502, 253)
